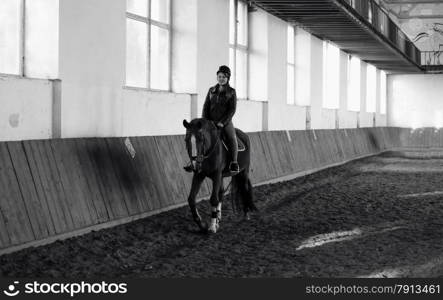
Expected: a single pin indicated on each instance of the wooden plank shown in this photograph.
(258, 159)
(107, 181)
(36, 209)
(172, 169)
(14, 212)
(286, 159)
(76, 189)
(314, 154)
(144, 182)
(89, 176)
(130, 181)
(153, 173)
(5, 241)
(48, 184)
(289, 158)
(299, 150)
(325, 147)
(339, 142)
(272, 147)
(269, 162)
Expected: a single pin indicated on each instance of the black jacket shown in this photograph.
(220, 106)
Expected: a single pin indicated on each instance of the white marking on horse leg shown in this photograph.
(213, 226)
(219, 208)
(193, 146)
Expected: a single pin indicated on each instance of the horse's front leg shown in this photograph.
(217, 182)
(196, 183)
(220, 201)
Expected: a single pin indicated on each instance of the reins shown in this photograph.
(201, 158)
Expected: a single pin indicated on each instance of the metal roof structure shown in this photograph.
(358, 27)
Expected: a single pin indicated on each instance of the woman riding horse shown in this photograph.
(210, 159)
(219, 107)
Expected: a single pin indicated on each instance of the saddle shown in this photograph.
(241, 145)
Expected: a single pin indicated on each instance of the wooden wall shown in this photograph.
(54, 187)
(422, 137)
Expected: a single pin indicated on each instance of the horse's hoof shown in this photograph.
(213, 229)
(214, 226)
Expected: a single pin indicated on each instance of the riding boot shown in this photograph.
(233, 145)
(189, 168)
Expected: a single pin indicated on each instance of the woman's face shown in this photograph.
(222, 79)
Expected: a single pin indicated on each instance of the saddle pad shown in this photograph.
(241, 145)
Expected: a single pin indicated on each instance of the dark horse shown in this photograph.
(211, 159)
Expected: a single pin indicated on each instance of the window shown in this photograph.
(148, 35)
(354, 75)
(290, 94)
(371, 89)
(29, 38)
(331, 76)
(302, 67)
(383, 92)
(238, 46)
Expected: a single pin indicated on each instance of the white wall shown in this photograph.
(282, 116)
(141, 112)
(26, 108)
(415, 100)
(94, 101)
(213, 44)
(92, 66)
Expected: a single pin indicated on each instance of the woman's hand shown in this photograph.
(220, 124)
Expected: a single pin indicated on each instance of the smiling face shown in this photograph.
(222, 79)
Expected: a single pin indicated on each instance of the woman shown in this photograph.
(219, 107)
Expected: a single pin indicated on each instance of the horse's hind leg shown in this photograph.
(217, 182)
(247, 196)
(220, 201)
(196, 183)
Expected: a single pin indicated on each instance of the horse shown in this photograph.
(210, 158)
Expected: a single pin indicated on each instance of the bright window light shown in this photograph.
(241, 73)
(232, 22)
(138, 7)
(242, 23)
(148, 44)
(383, 92)
(160, 11)
(302, 68)
(291, 44)
(291, 84)
(238, 47)
(354, 84)
(159, 58)
(290, 91)
(331, 75)
(136, 53)
(10, 36)
(371, 89)
(41, 41)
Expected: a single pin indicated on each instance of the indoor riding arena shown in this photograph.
(104, 104)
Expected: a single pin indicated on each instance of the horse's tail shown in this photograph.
(242, 197)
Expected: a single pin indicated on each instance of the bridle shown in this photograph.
(202, 157)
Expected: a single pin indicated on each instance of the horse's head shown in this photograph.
(200, 134)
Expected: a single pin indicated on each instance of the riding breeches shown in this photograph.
(231, 138)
